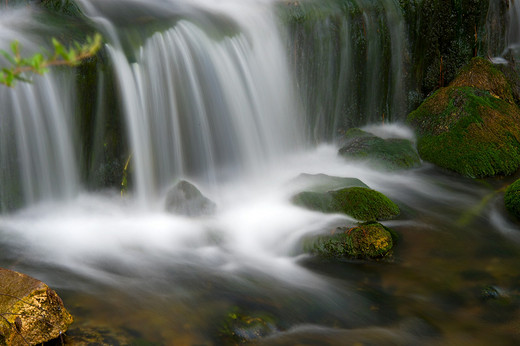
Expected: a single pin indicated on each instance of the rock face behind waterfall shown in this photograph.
(31, 312)
(185, 199)
(472, 126)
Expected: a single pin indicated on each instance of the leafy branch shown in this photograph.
(39, 64)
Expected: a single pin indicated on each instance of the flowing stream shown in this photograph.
(207, 92)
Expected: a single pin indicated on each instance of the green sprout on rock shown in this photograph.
(40, 64)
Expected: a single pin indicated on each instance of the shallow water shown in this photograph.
(147, 275)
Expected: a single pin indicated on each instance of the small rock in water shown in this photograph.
(185, 199)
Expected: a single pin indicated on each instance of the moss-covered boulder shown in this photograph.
(31, 313)
(392, 153)
(239, 327)
(512, 199)
(472, 126)
(372, 240)
(324, 183)
(361, 203)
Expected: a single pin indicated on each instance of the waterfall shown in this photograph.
(349, 63)
(210, 96)
(503, 26)
(37, 153)
(514, 26)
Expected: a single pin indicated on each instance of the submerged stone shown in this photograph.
(360, 203)
(372, 240)
(185, 199)
(239, 327)
(31, 312)
(471, 127)
(392, 153)
(512, 199)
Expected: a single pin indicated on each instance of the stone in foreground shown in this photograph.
(30, 312)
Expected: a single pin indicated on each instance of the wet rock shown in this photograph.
(471, 127)
(31, 313)
(512, 199)
(239, 327)
(366, 241)
(185, 199)
(324, 183)
(361, 203)
(391, 154)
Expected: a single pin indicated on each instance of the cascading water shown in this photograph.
(504, 30)
(207, 92)
(349, 63)
(514, 26)
(37, 151)
(203, 97)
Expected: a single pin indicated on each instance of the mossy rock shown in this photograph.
(482, 74)
(31, 312)
(360, 203)
(239, 327)
(368, 241)
(324, 183)
(512, 199)
(392, 153)
(471, 127)
(184, 198)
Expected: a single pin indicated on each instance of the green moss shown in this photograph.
(392, 154)
(371, 240)
(469, 131)
(473, 126)
(364, 204)
(360, 203)
(481, 74)
(512, 199)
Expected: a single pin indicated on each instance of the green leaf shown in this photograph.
(15, 47)
(36, 61)
(59, 49)
(72, 56)
(8, 56)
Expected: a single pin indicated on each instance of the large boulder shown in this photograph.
(366, 241)
(472, 126)
(30, 312)
(391, 153)
(185, 199)
(361, 203)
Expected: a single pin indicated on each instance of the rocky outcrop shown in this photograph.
(472, 126)
(30, 312)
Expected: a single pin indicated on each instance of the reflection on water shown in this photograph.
(160, 277)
